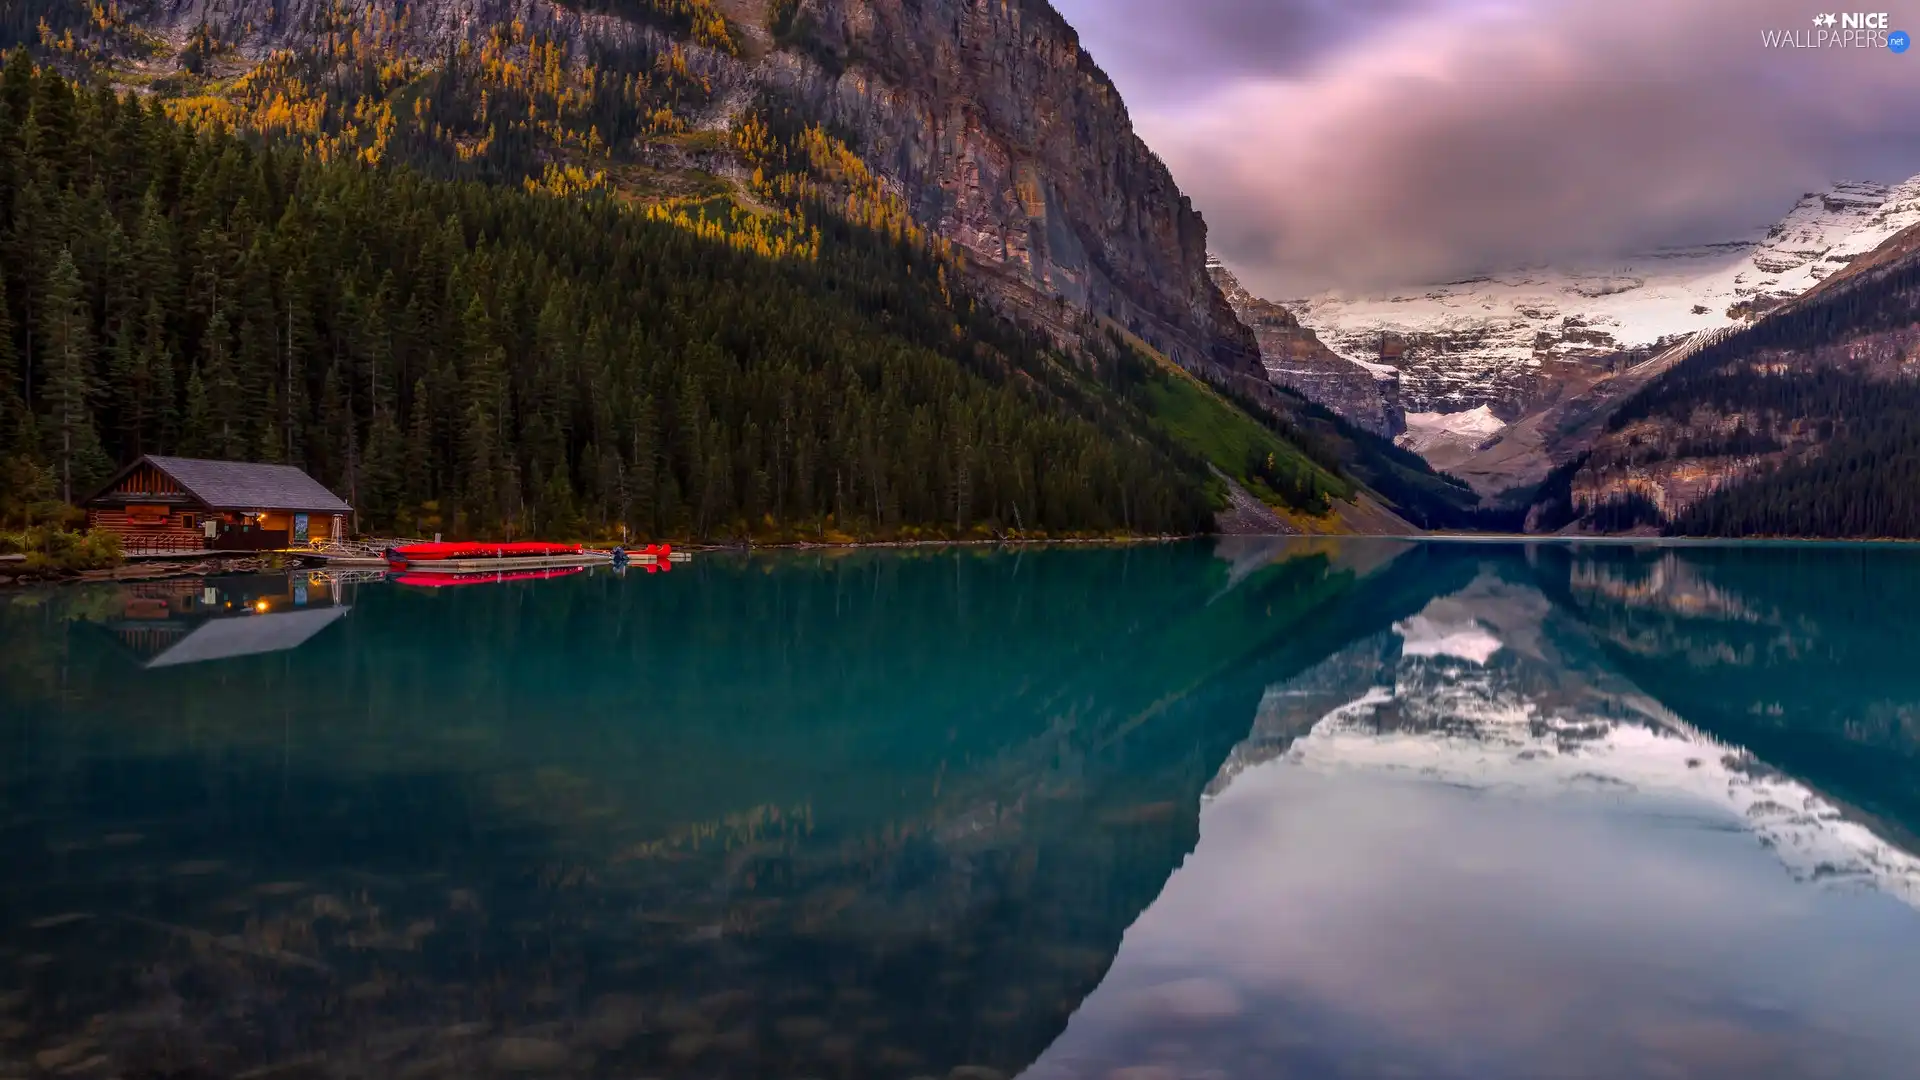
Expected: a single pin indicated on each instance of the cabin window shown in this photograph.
(186, 521)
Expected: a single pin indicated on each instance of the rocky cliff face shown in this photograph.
(1368, 395)
(985, 116)
(1009, 140)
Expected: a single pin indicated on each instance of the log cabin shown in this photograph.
(192, 504)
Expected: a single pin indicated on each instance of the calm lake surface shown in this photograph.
(1248, 809)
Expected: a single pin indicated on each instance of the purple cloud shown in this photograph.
(1402, 141)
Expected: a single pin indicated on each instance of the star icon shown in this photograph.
(1828, 19)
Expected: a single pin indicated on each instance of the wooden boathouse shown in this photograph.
(192, 504)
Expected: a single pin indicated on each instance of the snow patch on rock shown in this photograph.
(1467, 430)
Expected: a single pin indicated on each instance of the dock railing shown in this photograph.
(136, 544)
(354, 549)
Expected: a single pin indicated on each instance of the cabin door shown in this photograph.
(299, 529)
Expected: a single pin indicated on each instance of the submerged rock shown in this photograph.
(739, 1042)
(689, 1045)
(801, 1027)
(196, 868)
(614, 1021)
(61, 1056)
(54, 921)
(682, 1018)
(515, 1054)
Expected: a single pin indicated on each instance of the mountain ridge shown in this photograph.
(980, 116)
(1799, 425)
(1508, 339)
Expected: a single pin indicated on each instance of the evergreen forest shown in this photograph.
(490, 360)
(1855, 471)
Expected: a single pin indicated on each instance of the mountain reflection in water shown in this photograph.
(1312, 808)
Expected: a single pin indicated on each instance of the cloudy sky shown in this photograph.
(1357, 143)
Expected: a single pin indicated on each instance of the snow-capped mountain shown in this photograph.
(1512, 339)
(1471, 693)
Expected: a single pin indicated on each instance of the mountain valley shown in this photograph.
(923, 163)
(1516, 381)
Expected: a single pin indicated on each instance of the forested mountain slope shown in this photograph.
(1806, 424)
(896, 167)
(980, 122)
(480, 359)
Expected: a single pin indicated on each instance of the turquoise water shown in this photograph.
(1247, 809)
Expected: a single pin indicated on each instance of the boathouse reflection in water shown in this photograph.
(194, 620)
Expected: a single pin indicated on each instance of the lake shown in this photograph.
(1246, 808)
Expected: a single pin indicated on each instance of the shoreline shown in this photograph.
(215, 563)
(1662, 541)
(856, 545)
(210, 564)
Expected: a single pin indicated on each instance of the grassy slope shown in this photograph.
(1209, 425)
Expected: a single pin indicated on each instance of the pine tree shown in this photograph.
(385, 487)
(155, 260)
(11, 405)
(418, 464)
(157, 362)
(196, 434)
(67, 332)
(478, 462)
(226, 400)
(557, 507)
(30, 260)
(55, 131)
(17, 84)
(643, 515)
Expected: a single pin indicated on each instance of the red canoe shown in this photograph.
(439, 552)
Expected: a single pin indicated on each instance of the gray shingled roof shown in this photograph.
(240, 485)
